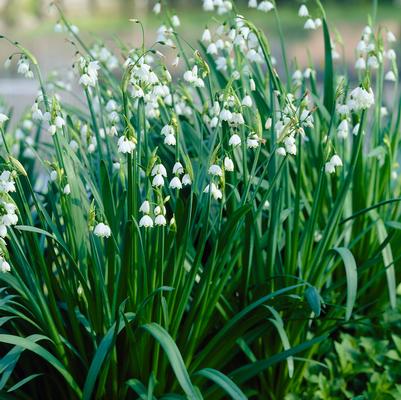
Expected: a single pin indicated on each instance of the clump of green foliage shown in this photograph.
(195, 233)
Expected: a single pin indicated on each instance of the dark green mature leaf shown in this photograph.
(139, 388)
(247, 372)
(277, 321)
(23, 382)
(101, 354)
(328, 70)
(42, 352)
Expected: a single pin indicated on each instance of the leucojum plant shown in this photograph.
(194, 229)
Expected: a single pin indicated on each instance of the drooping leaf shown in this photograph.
(352, 278)
(224, 382)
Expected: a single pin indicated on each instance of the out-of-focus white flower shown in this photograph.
(215, 170)
(206, 36)
(310, 24)
(212, 49)
(355, 129)
(175, 21)
(3, 231)
(176, 61)
(74, 29)
(73, 145)
(59, 122)
(297, 77)
(146, 222)
(175, 183)
(247, 101)
(90, 77)
(160, 210)
(308, 73)
(360, 64)
(390, 76)
(145, 207)
(361, 47)
(226, 115)
(158, 181)
(52, 129)
(208, 5)
(37, 114)
(303, 11)
(290, 146)
(53, 175)
(102, 230)
(268, 123)
(343, 129)
(390, 54)
(234, 140)
(157, 8)
(23, 67)
(58, 28)
(186, 180)
(178, 168)
(7, 63)
(160, 220)
(228, 164)
(159, 169)
(373, 62)
(252, 141)
(3, 118)
(266, 6)
(252, 85)
(361, 99)
(191, 76)
(125, 145)
(391, 37)
(330, 166)
(4, 266)
(67, 189)
(170, 140)
(281, 151)
(336, 160)
(343, 110)
(215, 191)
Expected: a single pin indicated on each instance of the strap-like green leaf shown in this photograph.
(100, 355)
(175, 358)
(224, 382)
(352, 278)
(42, 352)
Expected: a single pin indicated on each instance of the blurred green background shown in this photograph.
(32, 23)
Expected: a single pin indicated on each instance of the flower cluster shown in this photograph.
(310, 24)
(221, 6)
(88, 71)
(8, 215)
(102, 230)
(24, 68)
(330, 166)
(159, 213)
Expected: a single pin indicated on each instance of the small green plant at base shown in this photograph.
(363, 363)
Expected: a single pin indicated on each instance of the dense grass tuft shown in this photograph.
(195, 230)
